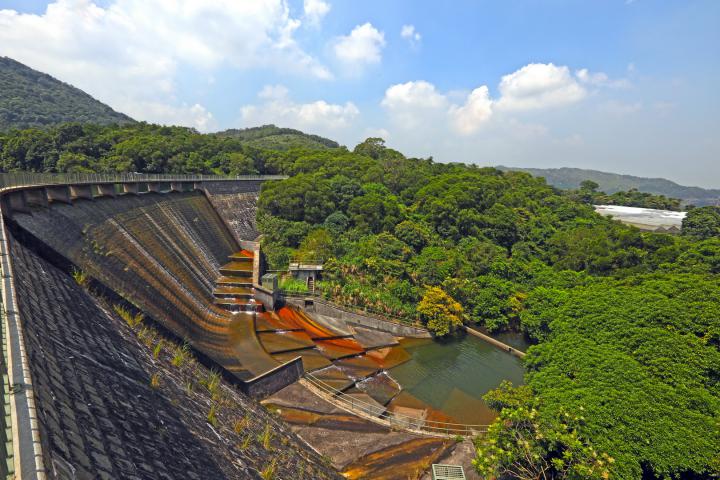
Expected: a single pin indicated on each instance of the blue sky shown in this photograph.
(615, 85)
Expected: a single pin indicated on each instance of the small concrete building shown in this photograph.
(306, 272)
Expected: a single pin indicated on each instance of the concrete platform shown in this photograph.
(380, 387)
(333, 351)
(334, 378)
(285, 342)
(371, 339)
(312, 359)
(334, 324)
(366, 400)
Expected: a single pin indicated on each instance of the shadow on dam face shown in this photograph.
(162, 253)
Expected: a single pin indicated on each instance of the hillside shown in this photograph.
(275, 138)
(567, 178)
(29, 98)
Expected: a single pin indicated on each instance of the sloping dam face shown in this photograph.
(161, 252)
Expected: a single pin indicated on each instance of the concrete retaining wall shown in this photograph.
(323, 307)
(276, 379)
(236, 203)
(267, 297)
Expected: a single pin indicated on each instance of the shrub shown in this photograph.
(80, 277)
(268, 472)
(212, 415)
(182, 352)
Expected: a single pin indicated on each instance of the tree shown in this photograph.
(702, 222)
(523, 444)
(589, 186)
(316, 246)
(439, 311)
(372, 147)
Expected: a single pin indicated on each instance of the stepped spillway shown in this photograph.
(163, 253)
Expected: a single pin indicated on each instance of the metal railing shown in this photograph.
(26, 179)
(379, 414)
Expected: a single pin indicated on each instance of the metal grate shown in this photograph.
(447, 472)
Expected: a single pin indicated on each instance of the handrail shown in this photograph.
(394, 420)
(29, 179)
(27, 448)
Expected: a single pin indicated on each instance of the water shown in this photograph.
(453, 376)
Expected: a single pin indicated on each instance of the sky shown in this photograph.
(626, 86)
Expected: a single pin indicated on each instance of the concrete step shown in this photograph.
(239, 269)
(232, 292)
(239, 304)
(242, 255)
(234, 281)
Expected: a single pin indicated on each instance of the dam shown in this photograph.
(82, 253)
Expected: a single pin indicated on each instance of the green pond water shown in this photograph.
(453, 376)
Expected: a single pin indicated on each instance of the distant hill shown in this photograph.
(29, 98)
(276, 138)
(567, 178)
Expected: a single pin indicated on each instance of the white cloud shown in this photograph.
(195, 116)
(600, 79)
(315, 11)
(128, 53)
(411, 104)
(315, 117)
(363, 46)
(476, 111)
(418, 105)
(537, 86)
(409, 33)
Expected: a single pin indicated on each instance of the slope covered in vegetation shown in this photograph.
(623, 379)
(276, 138)
(29, 98)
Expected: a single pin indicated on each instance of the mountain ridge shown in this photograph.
(570, 178)
(30, 98)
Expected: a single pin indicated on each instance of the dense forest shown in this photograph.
(275, 138)
(624, 378)
(571, 178)
(144, 148)
(29, 98)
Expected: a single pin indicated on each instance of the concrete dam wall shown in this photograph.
(94, 397)
(236, 202)
(98, 415)
(161, 252)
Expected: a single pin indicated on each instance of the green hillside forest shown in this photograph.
(29, 98)
(623, 378)
(567, 178)
(276, 138)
